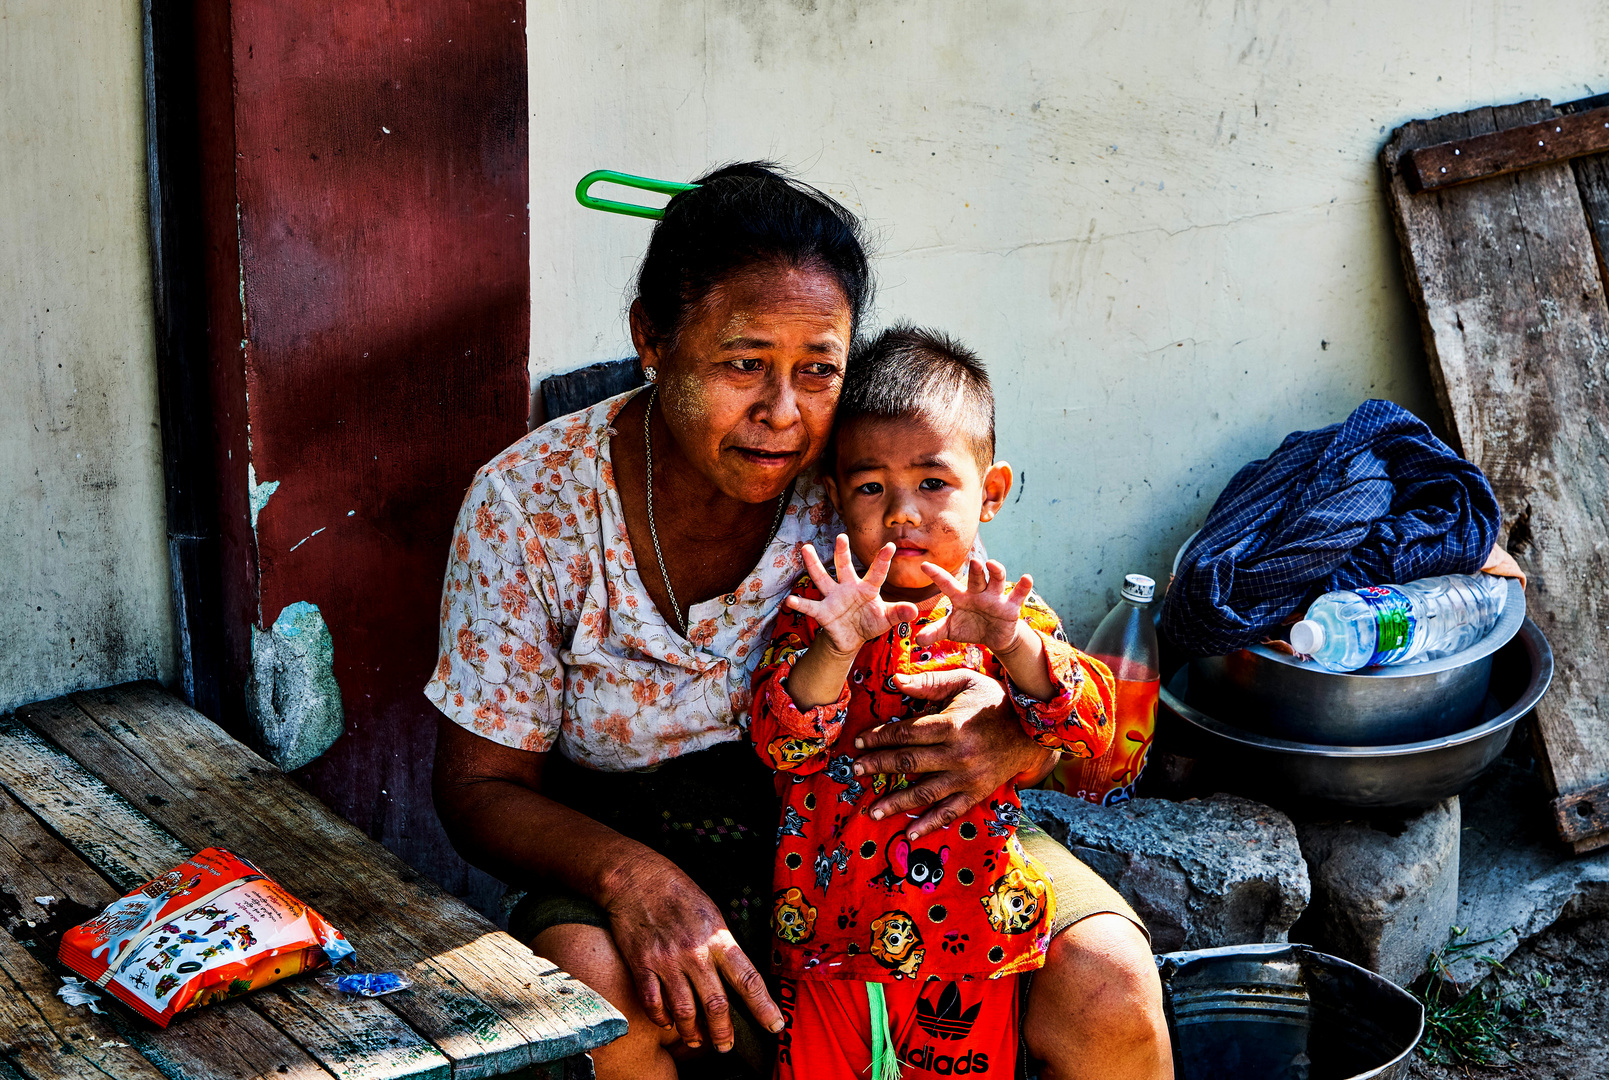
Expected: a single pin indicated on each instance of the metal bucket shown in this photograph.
(1285, 772)
(1285, 1012)
(1273, 694)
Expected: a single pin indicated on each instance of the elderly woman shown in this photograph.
(613, 578)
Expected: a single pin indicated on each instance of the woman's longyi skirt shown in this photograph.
(714, 814)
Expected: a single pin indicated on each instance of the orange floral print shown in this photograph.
(527, 653)
(516, 598)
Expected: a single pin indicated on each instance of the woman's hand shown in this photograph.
(681, 954)
(981, 611)
(851, 610)
(671, 935)
(966, 751)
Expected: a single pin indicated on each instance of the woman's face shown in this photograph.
(751, 382)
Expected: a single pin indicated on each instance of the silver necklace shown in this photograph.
(653, 530)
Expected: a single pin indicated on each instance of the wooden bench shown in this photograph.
(101, 791)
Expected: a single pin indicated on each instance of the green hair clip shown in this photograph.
(642, 183)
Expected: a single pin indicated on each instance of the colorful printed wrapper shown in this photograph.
(211, 928)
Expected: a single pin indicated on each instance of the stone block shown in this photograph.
(1204, 872)
(1385, 890)
(1515, 878)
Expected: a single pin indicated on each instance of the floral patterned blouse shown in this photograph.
(549, 640)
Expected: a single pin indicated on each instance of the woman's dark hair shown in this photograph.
(744, 215)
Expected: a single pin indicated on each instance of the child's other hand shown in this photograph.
(851, 610)
(981, 611)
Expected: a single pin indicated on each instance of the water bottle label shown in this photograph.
(1393, 621)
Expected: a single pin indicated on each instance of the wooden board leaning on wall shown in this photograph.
(1507, 274)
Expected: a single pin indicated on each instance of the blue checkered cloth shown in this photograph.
(1375, 500)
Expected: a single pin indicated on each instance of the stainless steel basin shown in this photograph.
(1404, 775)
(1285, 1012)
(1262, 690)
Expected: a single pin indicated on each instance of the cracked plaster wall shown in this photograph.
(1160, 223)
(85, 597)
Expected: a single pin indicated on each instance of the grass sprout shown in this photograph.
(1476, 1028)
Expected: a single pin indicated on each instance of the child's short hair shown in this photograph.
(911, 371)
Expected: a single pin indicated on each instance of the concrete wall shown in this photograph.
(1160, 222)
(84, 588)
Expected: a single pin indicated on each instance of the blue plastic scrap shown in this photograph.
(366, 983)
(1376, 499)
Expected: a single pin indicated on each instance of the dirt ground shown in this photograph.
(1554, 1015)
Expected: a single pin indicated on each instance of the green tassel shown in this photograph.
(885, 1059)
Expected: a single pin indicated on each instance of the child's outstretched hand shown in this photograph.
(981, 611)
(851, 610)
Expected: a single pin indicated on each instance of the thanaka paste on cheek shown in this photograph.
(684, 399)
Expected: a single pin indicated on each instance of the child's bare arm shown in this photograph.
(1025, 662)
(850, 613)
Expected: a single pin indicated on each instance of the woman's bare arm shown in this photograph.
(489, 799)
(671, 934)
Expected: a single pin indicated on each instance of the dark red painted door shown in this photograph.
(368, 282)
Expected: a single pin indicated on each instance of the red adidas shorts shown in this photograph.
(943, 1027)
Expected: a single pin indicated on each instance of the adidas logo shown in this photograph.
(947, 1021)
(944, 1064)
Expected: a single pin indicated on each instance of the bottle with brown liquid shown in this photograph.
(1126, 643)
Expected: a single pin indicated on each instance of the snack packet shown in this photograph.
(211, 928)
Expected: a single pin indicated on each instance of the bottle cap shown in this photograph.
(1307, 637)
(1139, 588)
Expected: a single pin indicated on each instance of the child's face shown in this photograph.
(919, 486)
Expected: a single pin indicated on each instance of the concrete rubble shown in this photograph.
(1515, 879)
(292, 698)
(1203, 872)
(1385, 890)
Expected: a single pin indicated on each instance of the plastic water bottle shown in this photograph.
(1400, 624)
(1126, 643)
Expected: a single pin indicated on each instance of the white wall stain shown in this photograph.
(1073, 192)
(308, 537)
(257, 495)
(292, 697)
(85, 595)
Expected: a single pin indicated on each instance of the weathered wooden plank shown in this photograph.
(358, 1039)
(230, 1043)
(116, 839)
(1513, 312)
(33, 864)
(481, 997)
(1496, 153)
(585, 387)
(1592, 180)
(1582, 814)
(44, 1038)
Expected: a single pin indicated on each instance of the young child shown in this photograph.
(889, 944)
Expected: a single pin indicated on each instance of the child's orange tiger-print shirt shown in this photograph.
(853, 898)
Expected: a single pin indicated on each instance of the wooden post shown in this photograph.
(1506, 277)
(364, 201)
